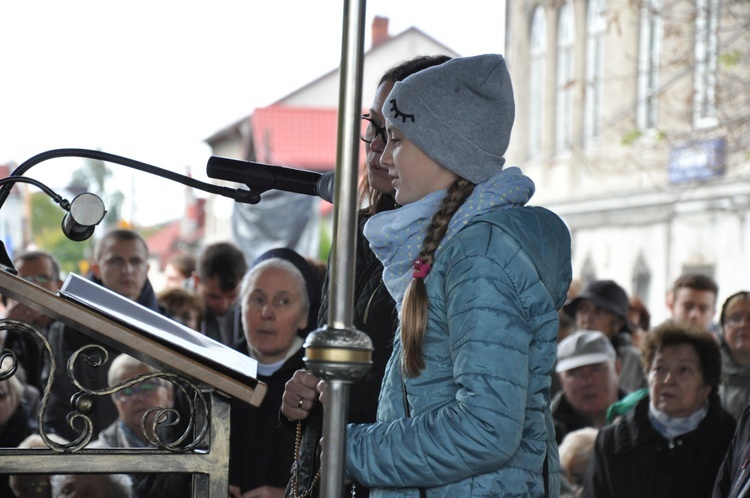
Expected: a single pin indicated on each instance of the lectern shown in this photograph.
(207, 371)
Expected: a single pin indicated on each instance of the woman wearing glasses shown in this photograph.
(132, 403)
(672, 443)
(735, 353)
(125, 432)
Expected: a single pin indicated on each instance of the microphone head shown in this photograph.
(326, 186)
(86, 211)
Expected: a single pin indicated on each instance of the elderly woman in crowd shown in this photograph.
(674, 441)
(132, 403)
(280, 297)
(735, 353)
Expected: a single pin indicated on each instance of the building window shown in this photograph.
(595, 30)
(706, 55)
(648, 63)
(537, 82)
(565, 78)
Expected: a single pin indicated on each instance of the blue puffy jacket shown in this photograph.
(480, 420)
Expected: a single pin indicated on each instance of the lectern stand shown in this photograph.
(214, 372)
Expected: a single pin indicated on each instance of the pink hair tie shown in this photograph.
(421, 269)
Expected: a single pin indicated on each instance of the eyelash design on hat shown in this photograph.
(400, 114)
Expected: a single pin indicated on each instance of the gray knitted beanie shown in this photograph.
(459, 113)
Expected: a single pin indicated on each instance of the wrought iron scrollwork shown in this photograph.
(84, 402)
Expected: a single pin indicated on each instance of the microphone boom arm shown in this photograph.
(238, 195)
(9, 181)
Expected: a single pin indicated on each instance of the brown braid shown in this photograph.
(414, 311)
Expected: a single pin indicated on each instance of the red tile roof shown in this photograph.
(296, 137)
(163, 241)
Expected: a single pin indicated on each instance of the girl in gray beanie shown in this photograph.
(477, 279)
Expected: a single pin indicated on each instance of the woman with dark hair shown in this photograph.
(735, 352)
(733, 480)
(674, 440)
(374, 308)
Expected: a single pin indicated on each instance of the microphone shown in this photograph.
(86, 211)
(261, 177)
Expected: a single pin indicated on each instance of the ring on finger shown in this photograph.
(299, 404)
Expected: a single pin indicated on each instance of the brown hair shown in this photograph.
(27, 256)
(705, 345)
(697, 281)
(174, 298)
(183, 263)
(731, 301)
(224, 261)
(644, 317)
(118, 235)
(416, 302)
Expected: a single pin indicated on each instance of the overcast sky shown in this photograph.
(152, 79)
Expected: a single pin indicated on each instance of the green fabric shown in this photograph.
(626, 404)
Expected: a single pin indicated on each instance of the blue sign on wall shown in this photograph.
(700, 160)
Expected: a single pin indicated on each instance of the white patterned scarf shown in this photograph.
(671, 427)
(396, 236)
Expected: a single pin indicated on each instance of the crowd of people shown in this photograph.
(494, 373)
(682, 433)
(263, 310)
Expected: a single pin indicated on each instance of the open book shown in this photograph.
(160, 328)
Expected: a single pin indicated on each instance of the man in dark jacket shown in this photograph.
(589, 376)
(120, 264)
(219, 273)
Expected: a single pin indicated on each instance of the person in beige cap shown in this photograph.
(589, 374)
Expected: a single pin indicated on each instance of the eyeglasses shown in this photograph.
(145, 389)
(38, 279)
(373, 130)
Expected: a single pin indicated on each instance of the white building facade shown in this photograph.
(633, 120)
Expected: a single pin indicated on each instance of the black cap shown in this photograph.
(605, 294)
